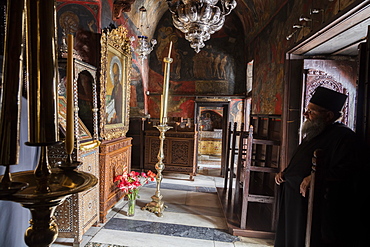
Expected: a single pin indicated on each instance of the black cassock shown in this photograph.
(334, 217)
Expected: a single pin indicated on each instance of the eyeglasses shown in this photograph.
(308, 111)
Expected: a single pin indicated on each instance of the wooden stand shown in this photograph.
(178, 152)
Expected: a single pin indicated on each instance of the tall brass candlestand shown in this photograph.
(157, 205)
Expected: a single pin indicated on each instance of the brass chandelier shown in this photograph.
(198, 19)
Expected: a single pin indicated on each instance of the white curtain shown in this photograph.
(14, 219)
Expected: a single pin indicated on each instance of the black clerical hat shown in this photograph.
(328, 99)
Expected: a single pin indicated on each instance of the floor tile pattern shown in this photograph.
(183, 187)
(205, 233)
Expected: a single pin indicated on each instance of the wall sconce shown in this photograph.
(316, 11)
(298, 26)
(291, 35)
(304, 18)
(145, 47)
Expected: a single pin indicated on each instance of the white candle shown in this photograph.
(69, 142)
(166, 83)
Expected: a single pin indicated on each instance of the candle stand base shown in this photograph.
(43, 229)
(155, 206)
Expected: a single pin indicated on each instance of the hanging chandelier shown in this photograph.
(144, 47)
(198, 19)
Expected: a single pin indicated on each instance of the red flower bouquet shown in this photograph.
(130, 183)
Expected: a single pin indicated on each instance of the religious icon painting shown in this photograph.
(115, 83)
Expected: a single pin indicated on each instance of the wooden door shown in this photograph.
(363, 102)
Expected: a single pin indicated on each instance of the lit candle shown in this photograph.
(70, 101)
(166, 83)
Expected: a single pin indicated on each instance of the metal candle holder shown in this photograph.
(157, 205)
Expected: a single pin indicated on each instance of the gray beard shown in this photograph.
(310, 129)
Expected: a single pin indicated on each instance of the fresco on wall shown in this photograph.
(209, 120)
(218, 69)
(81, 20)
(269, 47)
(269, 57)
(178, 106)
(260, 13)
(137, 94)
(236, 112)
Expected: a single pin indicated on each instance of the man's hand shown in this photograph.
(305, 185)
(279, 178)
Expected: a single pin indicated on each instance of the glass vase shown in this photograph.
(131, 207)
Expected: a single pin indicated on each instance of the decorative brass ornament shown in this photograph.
(115, 83)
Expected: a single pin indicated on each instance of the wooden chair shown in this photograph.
(256, 151)
(261, 163)
(226, 165)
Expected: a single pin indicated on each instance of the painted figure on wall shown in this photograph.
(236, 113)
(120, 6)
(216, 66)
(210, 120)
(81, 21)
(69, 22)
(215, 62)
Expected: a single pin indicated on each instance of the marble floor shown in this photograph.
(193, 217)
